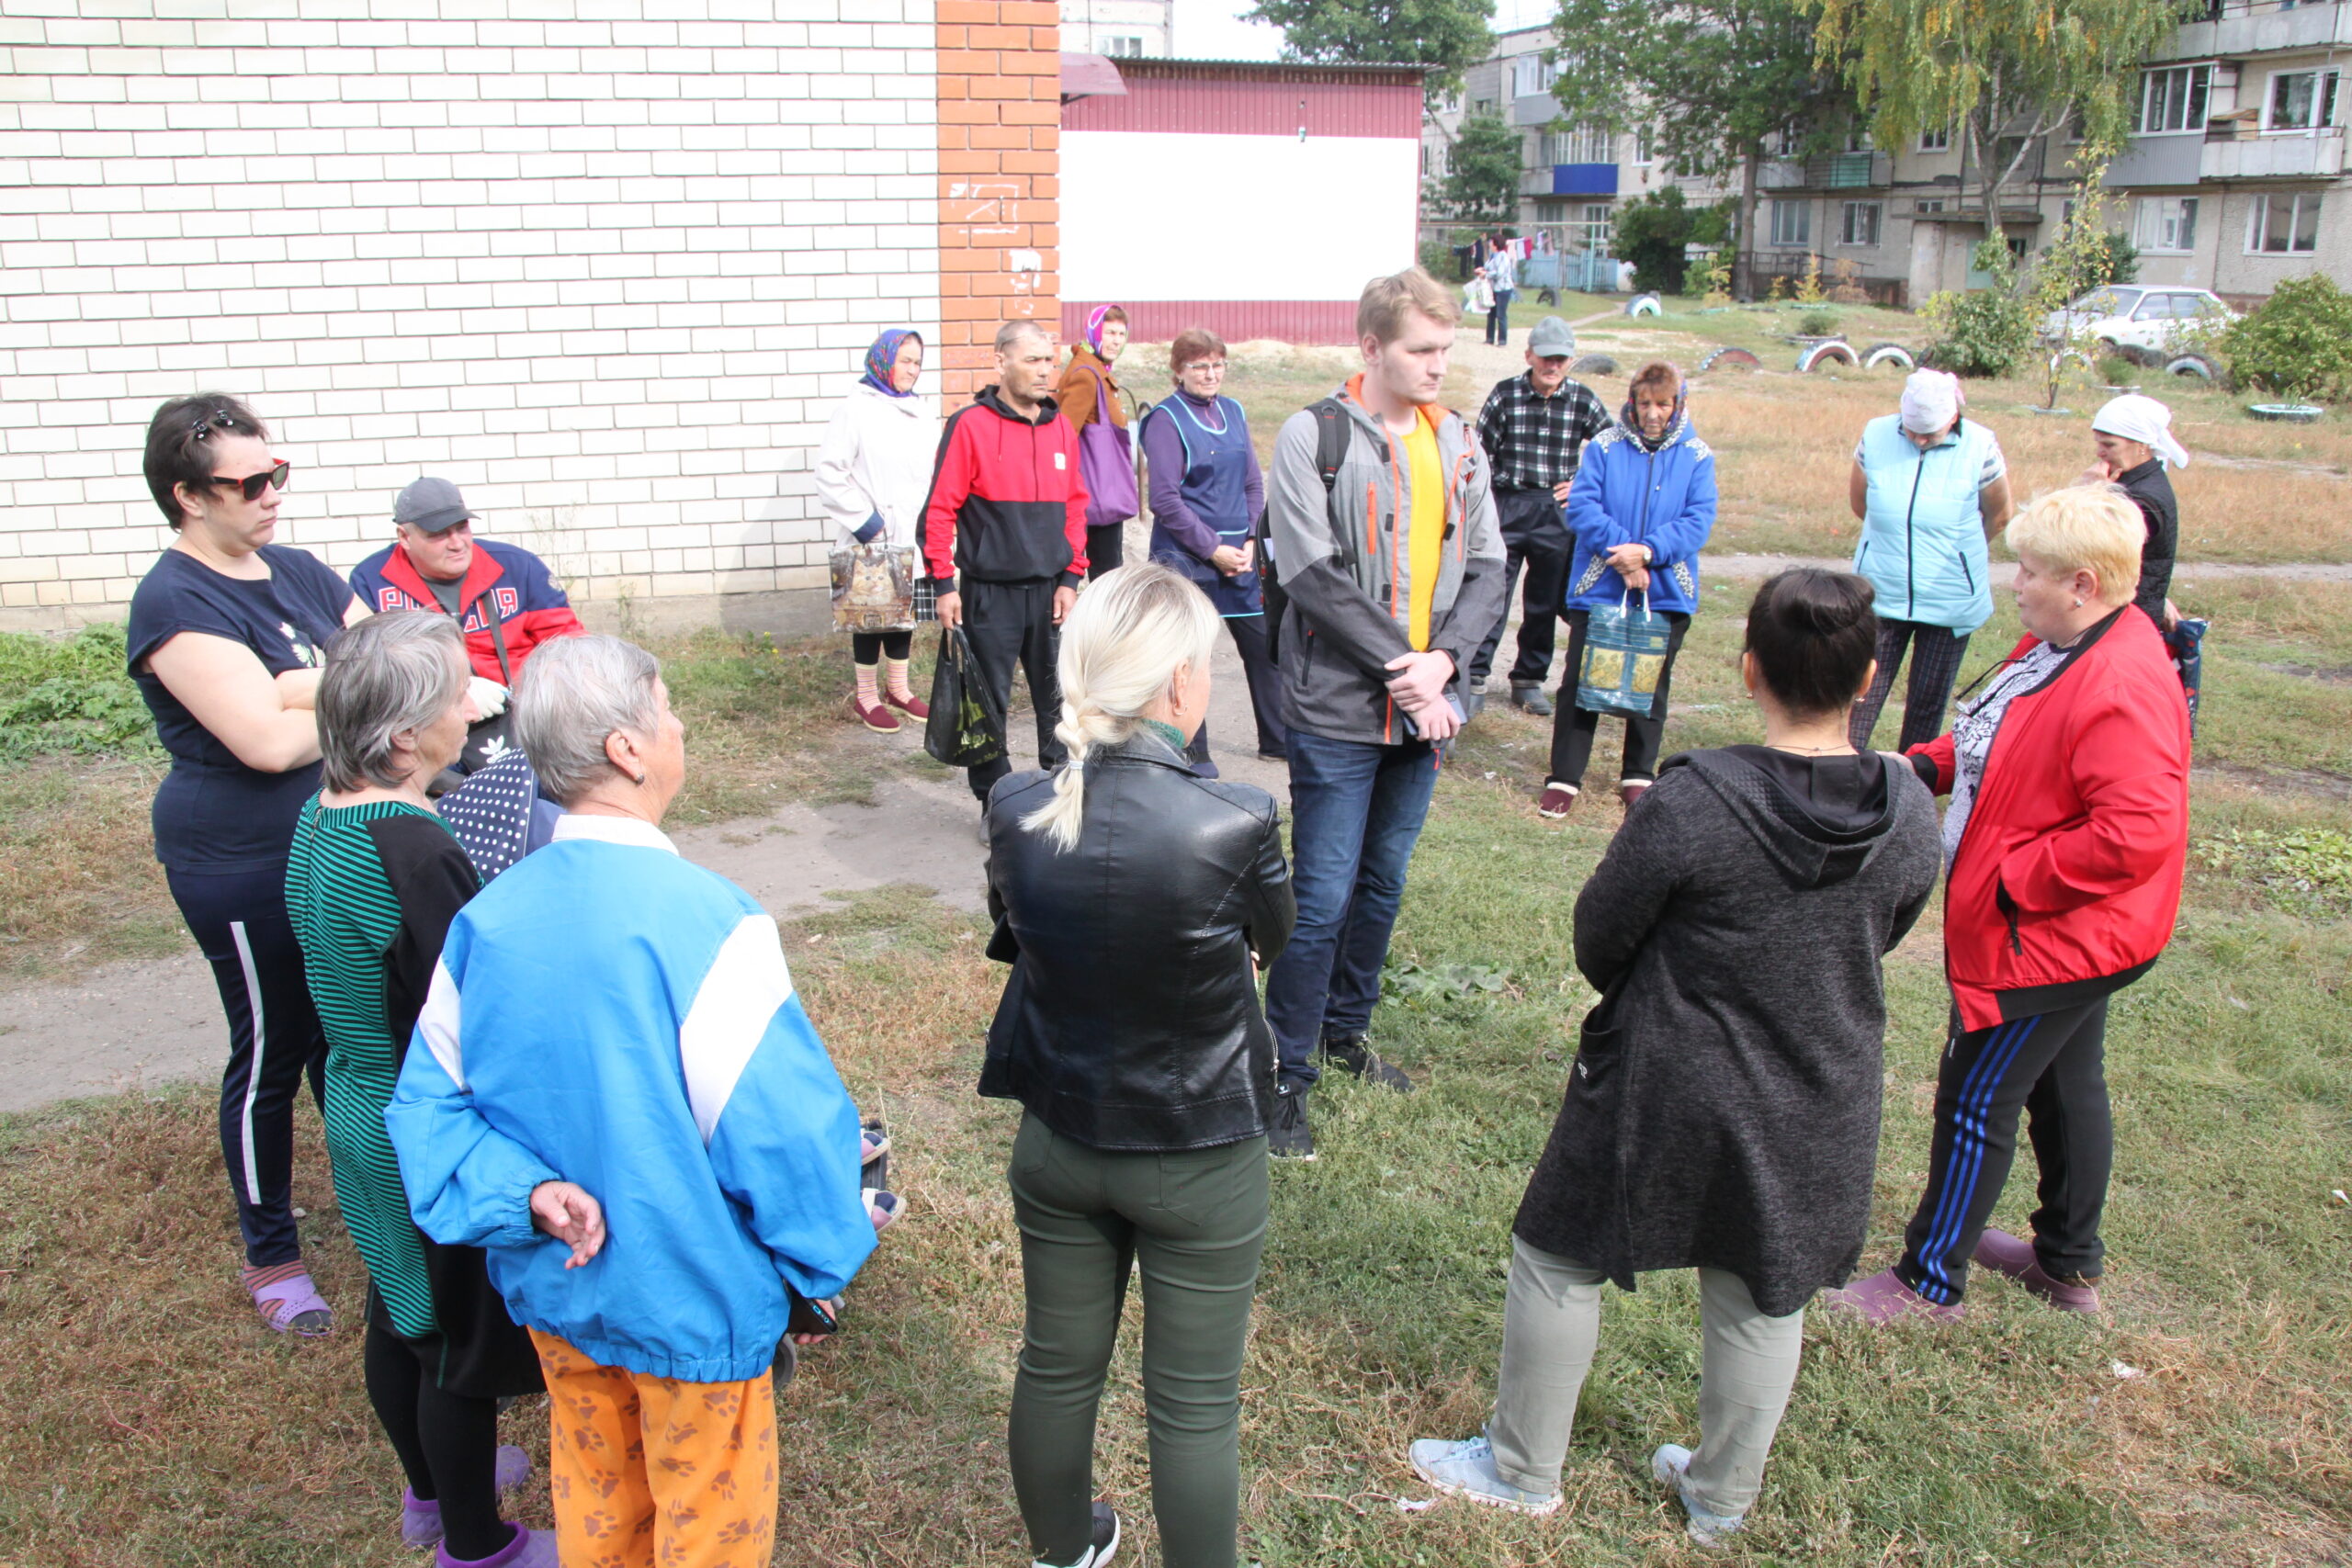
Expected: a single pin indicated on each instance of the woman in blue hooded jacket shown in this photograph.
(1930, 489)
(1641, 509)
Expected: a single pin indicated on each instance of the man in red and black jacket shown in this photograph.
(1003, 536)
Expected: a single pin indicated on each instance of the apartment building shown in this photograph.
(1123, 30)
(2233, 176)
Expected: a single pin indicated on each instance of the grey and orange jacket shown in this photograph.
(1345, 562)
(1007, 502)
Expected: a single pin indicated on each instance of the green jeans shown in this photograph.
(1196, 1222)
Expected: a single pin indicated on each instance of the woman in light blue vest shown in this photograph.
(1930, 488)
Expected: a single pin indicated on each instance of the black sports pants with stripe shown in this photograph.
(238, 920)
(2052, 1066)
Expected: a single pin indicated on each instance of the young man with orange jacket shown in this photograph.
(1003, 535)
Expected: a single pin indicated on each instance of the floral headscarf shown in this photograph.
(883, 357)
(1094, 319)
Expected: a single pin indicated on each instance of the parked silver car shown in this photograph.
(2147, 318)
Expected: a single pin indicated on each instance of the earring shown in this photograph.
(641, 781)
(2078, 604)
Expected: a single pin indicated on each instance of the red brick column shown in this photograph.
(1000, 161)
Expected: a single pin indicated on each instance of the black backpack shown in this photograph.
(1331, 451)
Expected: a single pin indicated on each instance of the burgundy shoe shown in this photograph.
(915, 707)
(1883, 1298)
(2006, 1254)
(1632, 792)
(880, 720)
(1555, 800)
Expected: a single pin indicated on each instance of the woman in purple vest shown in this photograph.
(1206, 493)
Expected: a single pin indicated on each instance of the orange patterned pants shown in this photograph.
(653, 1473)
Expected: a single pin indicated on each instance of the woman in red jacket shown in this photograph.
(2066, 841)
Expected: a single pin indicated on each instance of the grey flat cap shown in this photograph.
(431, 504)
(1550, 338)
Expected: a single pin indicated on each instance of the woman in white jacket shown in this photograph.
(873, 475)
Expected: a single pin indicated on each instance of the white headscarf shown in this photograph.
(1931, 401)
(2136, 417)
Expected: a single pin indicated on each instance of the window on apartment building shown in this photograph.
(2165, 223)
(1858, 139)
(1599, 227)
(1936, 140)
(1928, 204)
(1122, 45)
(2285, 225)
(1482, 109)
(1858, 225)
(1644, 148)
(1586, 144)
(1792, 222)
(2172, 99)
(1532, 73)
(2301, 100)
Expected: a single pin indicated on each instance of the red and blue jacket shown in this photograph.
(505, 580)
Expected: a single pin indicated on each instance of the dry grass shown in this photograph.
(78, 879)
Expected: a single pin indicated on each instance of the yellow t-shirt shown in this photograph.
(1426, 477)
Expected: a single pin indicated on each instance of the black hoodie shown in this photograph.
(1723, 1111)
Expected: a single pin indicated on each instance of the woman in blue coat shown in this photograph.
(1930, 489)
(1206, 491)
(1641, 509)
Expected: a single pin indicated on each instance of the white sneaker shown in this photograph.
(1670, 1467)
(1466, 1469)
(1101, 1549)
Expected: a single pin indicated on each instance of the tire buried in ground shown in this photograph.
(1884, 354)
(1593, 365)
(1836, 351)
(1731, 359)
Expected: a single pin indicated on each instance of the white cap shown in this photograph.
(2137, 417)
(1931, 401)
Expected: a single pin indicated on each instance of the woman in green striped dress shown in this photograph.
(372, 882)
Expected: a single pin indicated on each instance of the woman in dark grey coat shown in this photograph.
(1723, 1109)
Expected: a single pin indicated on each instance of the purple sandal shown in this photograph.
(421, 1521)
(288, 1301)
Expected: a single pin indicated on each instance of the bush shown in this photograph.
(69, 695)
(1652, 233)
(1437, 260)
(2297, 343)
(1816, 323)
(1986, 332)
(2120, 261)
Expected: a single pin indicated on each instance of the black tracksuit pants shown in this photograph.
(1009, 623)
(1573, 727)
(1537, 537)
(2052, 1067)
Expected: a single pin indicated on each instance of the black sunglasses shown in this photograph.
(251, 484)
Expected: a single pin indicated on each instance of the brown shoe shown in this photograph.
(880, 720)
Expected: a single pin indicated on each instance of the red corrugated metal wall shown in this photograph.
(1235, 321)
(1232, 100)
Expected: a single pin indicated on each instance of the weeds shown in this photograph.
(2304, 871)
(70, 695)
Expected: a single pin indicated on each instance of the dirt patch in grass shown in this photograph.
(78, 879)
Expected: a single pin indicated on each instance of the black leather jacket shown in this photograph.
(1131, 1019)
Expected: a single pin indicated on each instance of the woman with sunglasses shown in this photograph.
(1206, 490)
(226, 635)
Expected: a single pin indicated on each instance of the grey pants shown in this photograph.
(1551, 1319)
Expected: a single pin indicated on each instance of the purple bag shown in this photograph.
(1107, 463)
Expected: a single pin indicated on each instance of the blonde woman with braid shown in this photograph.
(1134, 901)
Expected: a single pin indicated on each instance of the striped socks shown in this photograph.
(867, 697)
(899, 687)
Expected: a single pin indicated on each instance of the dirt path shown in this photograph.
(1757, 566)
(122, 1026)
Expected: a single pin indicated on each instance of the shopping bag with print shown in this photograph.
(1624, 654)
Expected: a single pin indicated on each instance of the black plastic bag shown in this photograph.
(966, 724)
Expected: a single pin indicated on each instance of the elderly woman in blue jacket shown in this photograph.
(1931, 488)
(613, 1091)
(1641, 509)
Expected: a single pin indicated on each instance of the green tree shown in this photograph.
(1446, 36)
(1717, 81)
(2006, 73)
(1652, 233)
(1482, 170)
(2298, 342)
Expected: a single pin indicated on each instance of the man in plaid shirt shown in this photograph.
(1533, 427)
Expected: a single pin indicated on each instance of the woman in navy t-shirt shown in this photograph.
(227, 631)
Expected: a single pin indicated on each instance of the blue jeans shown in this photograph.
(1356, 809)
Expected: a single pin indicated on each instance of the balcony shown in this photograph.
(1781, 174)
(2294, 154)
(2163, 160)
(1850, 171)
(1583, 179)
(2241, 29)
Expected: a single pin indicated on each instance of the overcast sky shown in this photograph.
(1212, 29)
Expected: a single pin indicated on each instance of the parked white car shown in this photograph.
(2134, 317)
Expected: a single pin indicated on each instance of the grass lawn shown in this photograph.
(2204, 1423)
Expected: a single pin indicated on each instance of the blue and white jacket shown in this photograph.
(1625, 494)
(608, 1014)
(1923, 543)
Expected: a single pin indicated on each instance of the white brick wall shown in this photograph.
(605, 263)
